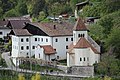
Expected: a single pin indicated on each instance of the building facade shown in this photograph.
(83, 51)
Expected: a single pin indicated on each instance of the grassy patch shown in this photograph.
(37, 67)
(63, 62)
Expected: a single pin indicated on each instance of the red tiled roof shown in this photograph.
(83, 43)
(48, 49)
(56, 29)
(79, 25)
(21, 32)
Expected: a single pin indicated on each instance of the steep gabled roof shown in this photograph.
(83, 43)
(3, 24)
(48, 49)
(79, 25)
(18, 24)
(20, 32)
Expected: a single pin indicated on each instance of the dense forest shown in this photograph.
(106, 31)
(10, 8)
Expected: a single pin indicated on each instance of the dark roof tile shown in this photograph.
(56, 29)
(79, 25)
(21, 32)
(18, 24)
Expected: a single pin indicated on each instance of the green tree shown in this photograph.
(21, 77)
(37, 7)
(73, 3)
(113, 42)
(41, 15)
(109, 21)
(109, 65)
(100, 8)
(11, 13)
(21, 8)
(36, 77)
(1, 12)
(96, 32)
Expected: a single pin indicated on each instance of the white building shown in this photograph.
(21, 44)
(45, 52)
(4, 30)
(57, 35)
(84, 51)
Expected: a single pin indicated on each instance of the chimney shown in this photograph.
(54, 26)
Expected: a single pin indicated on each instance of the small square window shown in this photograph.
(0, 33)
(33, 47)
(41, 39)
(55, 49)
(27, 39)
(38, 39)
(71, 39)
(66, 39)
(21, 39)
(79, 35)
(27, 47)
(56, 40)
(46, 40)
(84, 58)
(35, 39)
(58, 57)
(22, 48)
(39, 55)
(66, 47)
(80, 59)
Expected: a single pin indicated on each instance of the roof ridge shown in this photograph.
(83, 43)
(79, 25)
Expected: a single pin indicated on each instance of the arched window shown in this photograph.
(84, 58)
(80, 59)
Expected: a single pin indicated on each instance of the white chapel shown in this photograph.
(83, 51)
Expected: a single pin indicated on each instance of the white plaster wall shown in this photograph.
(38, 51)
(72, 59)
(15, 46)
(81, 53)
(60, 46)
(68, 60)
(76, 38)
(39, 41)
(52, 56)
(95, 57)
(47, 57)
(23, 53)
(4, 32)
(88, 54)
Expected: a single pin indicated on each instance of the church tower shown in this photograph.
(79, 31)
